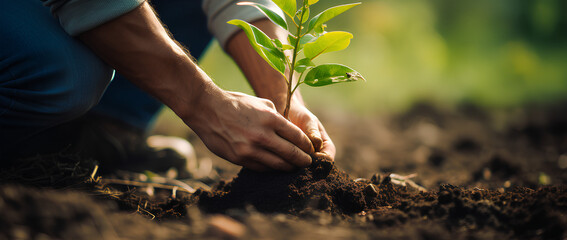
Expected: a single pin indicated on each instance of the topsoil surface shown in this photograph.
(485, 175)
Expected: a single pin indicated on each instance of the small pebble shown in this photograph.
(226, 226)
(562, 162)
(486, 174)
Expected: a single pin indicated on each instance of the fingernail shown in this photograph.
(316, 140)
(315, 134)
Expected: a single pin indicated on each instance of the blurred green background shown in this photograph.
(488, 53)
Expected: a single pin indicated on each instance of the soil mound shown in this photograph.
(321, 186)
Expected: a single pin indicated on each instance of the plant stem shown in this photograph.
(299, 82)
(292, 68)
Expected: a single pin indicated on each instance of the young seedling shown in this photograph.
(309, 38)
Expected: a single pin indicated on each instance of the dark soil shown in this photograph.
(321, 186)
(488, 175)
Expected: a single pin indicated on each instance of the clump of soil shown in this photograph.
(322, 186)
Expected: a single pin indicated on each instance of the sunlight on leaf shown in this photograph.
(331, 73)
(311, 2)
(288, 6)
(287, 47)
(273, 16)
(329, 42)
(328, 15)
(262, 44)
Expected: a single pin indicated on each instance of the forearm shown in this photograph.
(137, 46)
(266, 81)
(240, 128)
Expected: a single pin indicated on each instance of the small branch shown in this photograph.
(295, 88)
(93, 174)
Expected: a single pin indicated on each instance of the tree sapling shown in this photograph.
(310, 38)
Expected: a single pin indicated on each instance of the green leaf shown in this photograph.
(328, 15)
(292, 39)
(303, 64)
(273, 16)
(287, 47)
(329, 42)
(280, 45)
(331, 73)
(306, 16)
(287, 6)
(311, 2)
(262, 44)
(307, 38)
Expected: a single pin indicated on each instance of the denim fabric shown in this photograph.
(188, 25)
(46, 76)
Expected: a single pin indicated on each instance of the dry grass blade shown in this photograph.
(406, 180)
(186, 188)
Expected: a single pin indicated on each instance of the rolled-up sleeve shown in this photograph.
(78, 16)
(221, 11)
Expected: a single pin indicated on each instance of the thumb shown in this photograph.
(312, 131)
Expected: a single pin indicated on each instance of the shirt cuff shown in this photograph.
(219, 12)
(78, 16)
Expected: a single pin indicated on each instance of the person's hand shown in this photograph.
(310, 124)
(248, 131)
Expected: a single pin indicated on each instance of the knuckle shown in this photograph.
(268, 103)
(269, 119)
(243, 151)
(259, 138)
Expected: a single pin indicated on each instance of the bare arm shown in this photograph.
(242, 129)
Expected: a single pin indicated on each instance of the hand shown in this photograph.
(269, 83)
(248, 131)
(310, 124)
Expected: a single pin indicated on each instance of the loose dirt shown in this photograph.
(488, 175)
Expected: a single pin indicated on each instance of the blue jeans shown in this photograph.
(48, 78)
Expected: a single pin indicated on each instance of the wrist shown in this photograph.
(193, 101)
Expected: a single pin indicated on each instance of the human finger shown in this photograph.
(310, 126)
(286, 150)
(327, 146)
(255, 152)
(293, 134)
(272, 161)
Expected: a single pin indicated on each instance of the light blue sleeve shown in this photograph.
(78, 16)
(221, 11)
